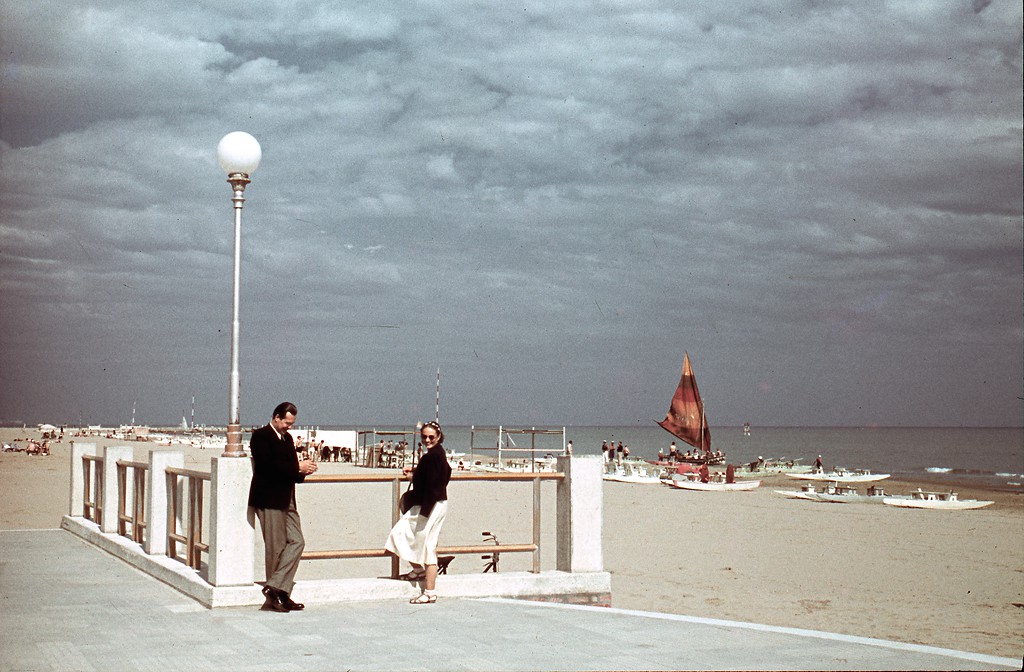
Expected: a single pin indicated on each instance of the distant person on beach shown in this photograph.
(275, 471)
(568, 448)
(819, 466)
(414, 537)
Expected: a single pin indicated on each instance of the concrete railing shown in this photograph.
(228, 577)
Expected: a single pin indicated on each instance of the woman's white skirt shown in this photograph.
(414, 537)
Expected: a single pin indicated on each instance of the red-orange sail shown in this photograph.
(685, 418)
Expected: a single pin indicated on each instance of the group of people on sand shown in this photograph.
(276, 471)
(613, 453)
(320, 452)
(32, 448)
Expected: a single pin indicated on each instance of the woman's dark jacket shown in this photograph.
(430, 480)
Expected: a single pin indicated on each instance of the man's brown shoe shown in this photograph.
(274, 601)
(286, 600)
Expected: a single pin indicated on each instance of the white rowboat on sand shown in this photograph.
(835, 493)
(935, 500)
(841, 476)
(712, 487)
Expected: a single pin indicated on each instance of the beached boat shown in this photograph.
(840, 476)
(773, 465)
(708, 458)
(836, 493)
(546, 465)
(711, 486)
(935, 500)
(630, 472)
(686, 421)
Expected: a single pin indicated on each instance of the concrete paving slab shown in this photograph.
(66, 605)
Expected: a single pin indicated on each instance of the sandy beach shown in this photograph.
(942, 578)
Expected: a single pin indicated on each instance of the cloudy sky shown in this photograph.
(550, 202)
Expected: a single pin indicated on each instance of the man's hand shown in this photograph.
(307, 467)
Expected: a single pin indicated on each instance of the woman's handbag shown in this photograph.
(406, 501)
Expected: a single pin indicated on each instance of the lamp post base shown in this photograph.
(234, 445)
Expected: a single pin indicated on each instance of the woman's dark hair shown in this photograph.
(436, 427)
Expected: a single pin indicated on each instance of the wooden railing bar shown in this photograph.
(92, 508)
(536, 525)
(139, 504)
(122, 497)
(381, 478)
(441, 550)
(190, 473)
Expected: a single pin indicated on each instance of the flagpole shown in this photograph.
(437, 398)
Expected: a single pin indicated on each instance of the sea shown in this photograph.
(991, 457)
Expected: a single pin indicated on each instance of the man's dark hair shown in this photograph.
(284, 408)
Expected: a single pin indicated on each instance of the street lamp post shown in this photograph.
(239, 154)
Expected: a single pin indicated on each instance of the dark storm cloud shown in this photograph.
(819, 201)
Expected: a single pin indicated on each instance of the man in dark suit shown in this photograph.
(275, 471)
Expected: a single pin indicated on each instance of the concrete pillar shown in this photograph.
(76, 497)
(111, 454)
(158, 498)
(580, 514)
(231, 529)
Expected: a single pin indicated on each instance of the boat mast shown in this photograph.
(437, 398)
(702, 449)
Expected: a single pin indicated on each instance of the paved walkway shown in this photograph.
(66, 605)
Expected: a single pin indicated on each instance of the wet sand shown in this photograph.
(942, 578)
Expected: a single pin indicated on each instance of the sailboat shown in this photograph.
(687, 421)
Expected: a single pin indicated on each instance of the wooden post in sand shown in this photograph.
(77, 495)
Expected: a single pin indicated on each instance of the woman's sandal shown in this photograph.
(414, 575)
(423, 598)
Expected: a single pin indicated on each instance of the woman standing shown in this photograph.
(414, 536)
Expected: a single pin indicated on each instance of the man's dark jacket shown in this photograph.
(275, 470)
